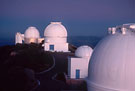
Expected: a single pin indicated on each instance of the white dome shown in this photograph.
(55, 29)
(132, 26)
(112, 64)
(83, 51)
(31, 32)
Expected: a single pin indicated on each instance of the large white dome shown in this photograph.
(112, 64)
(83, 51)
(55, 29)
(31, 32)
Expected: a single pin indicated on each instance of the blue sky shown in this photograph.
(80, 17)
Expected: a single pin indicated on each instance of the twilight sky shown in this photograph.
(80, 17)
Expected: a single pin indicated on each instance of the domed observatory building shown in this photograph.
(55, 37)
(31, 35)
(112, 64)
(78, 65)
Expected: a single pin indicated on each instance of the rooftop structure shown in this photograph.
(31, 35)
(78, 65)
(32, 32)
(83, 51)
(55, 37)
(55, 29)
(112, 63)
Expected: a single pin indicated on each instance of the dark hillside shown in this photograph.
(19, 63)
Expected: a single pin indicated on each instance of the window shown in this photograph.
(51, 47)
(77, 73)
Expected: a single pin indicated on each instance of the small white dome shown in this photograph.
(55, 29)
(83, 51)
(132, 26)
(32, 32)
(129, 25)
(112, 64)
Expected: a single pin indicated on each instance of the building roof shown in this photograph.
(112, 64)
(55, 29)
(83, 51)
(32, 32)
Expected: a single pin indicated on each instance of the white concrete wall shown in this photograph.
(78, 63)
(55, 39)
(40, 40)
(59, 47)
(30, 40)
(18, 38)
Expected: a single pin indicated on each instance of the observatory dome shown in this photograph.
(31, 32)
(132, 26)
(112, 64)
(83, 51)
(55, 29)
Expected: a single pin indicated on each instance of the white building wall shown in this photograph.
(80, 64)
(40, 40)
(55, 39)
(46, 46)
(59, 47)
(18, 38)
(30, 40)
